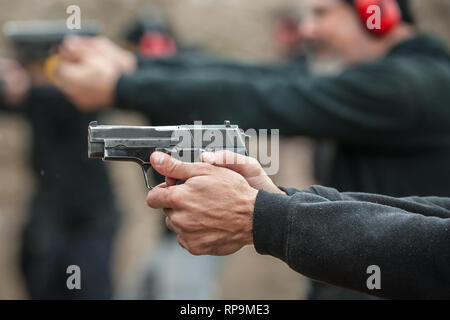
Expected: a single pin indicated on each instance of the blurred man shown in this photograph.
(73, 217)
(150, 38)
(167, 271)
(386, 111)
(288, 36)
(14, 83)
(326, 235)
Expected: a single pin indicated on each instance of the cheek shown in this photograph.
(342, 36)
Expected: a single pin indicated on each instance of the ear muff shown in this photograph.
(390, 17)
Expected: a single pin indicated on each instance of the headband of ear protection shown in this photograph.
(391, 15)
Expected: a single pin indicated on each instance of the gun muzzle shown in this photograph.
(96, 150)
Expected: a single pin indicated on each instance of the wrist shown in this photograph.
(110, 95)
(129, 64)
(271, 223)
(248, 228)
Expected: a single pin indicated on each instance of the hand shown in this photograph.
(247, 167)
(90, 83)
(75, 48)
(89, 70)
(212, 212)
(15, 82)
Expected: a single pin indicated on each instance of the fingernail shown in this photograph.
(159, 159)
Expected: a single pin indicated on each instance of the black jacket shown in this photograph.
(389, 118)
(72, 190)
(334, 237)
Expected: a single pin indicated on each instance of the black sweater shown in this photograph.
(60, 164)
(334, 237)
(389, 118)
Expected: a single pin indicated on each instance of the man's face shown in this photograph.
(334, 33)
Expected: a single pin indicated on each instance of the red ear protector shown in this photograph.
(155, 44)
(391, 15)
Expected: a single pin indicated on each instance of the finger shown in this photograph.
(175, 169)
(8, 64)
(71, 78)
(169, 224)
(74, 47)
(162, 185)
(181, 242)
(68, 73)
(168, 212)
(241, 164)
(159, 198)
(69, 54)
(224, 158)
(170, 182)
(172, 227)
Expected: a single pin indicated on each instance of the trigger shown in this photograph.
(169, 151)
(145, 169)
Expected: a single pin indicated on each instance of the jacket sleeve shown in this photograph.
(334, 237)
(198, 61)
(374, 101)
(3, 105)
(51, 102)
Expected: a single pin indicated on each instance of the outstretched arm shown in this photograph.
(326, 235)
(334, 107)
(334, 237)
(373, 102)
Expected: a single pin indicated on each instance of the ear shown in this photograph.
(379, 17)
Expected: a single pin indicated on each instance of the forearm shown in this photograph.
(334, 238)
(271, 102)
(301, 105)
(198, 61)
(177, 97)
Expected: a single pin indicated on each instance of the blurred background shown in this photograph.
(242, 29)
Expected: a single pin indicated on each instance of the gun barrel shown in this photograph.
(33, 39)
(96, 150)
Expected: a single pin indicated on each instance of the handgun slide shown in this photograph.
(185, 142)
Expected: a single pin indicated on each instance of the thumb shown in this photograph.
(176, 169)
(74, 48)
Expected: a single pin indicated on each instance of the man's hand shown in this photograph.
(247, 167)
(89, 70)
(15, 82)
(75, 48)
(212, 212)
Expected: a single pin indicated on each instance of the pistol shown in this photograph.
(184, 142)
(34, 39)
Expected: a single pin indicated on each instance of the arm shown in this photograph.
(14, 85)
(378, 103)
(317, 106)
(199, 61)
(326, 235)
(334, 237)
